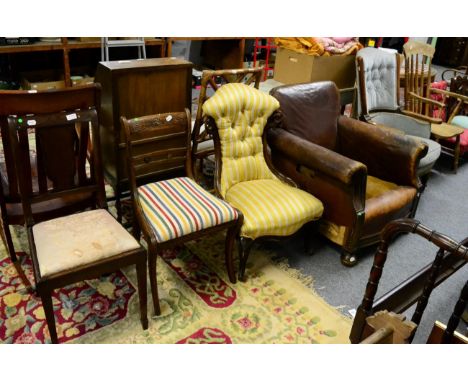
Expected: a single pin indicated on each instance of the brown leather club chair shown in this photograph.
(365, 175)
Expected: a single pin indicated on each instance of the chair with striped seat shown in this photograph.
(173, 211)
(271, 204)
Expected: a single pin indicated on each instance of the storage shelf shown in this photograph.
(66, 45)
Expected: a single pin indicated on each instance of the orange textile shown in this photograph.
(313, 46)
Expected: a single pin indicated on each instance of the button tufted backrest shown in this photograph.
(240, 113)
(380, 79)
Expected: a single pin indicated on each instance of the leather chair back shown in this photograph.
(310, 111)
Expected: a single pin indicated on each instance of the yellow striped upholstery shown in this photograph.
(271, 207)
(241, 112)
(179, 206)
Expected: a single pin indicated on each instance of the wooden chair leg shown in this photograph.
(136, 230)
(152, 259)
(414, 207)
(311, 234)
(142, 296)
(46, 297)
(8, 241)
(230, 239)
(456, 156)
(245, 245)
(118, 203)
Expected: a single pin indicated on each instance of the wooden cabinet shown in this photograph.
(132, 89)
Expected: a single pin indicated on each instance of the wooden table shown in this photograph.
(446, 131)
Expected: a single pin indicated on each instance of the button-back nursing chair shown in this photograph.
(178, 210)
(202, 141)
(378, 100)
(272, 206)
(365, 175)
(75, 247)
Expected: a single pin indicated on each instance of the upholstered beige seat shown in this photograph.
(83, 238)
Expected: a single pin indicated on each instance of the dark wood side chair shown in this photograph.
(417, 289)
(272, 205)
(79, 246)
(19, 102)
(177, 210)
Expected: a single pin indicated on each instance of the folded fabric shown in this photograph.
(320, 46)
(344, 46)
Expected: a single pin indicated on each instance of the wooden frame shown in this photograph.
(248, 76)
(58, 180)
(146, 128)
(418, 288)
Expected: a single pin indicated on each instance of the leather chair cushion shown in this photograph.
(380, 76)
(386, 198)
(179, 206)
(241, 113)
(271, 207)
(310, 111)
(71, 241)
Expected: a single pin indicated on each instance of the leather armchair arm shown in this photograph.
(314, 157)
(387, 155)
(338, 182)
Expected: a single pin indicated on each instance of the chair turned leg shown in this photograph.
(152, 259)
(8, 241)
(245, 245)
(141, 277)
(348, 259)
(46, 297)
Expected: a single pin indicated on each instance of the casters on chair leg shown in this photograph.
(348, 259)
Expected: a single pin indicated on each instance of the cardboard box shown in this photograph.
(294, 68)
(42, 80)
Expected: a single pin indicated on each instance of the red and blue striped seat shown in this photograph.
(179, 206)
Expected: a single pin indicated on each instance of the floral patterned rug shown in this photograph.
(199, 304)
